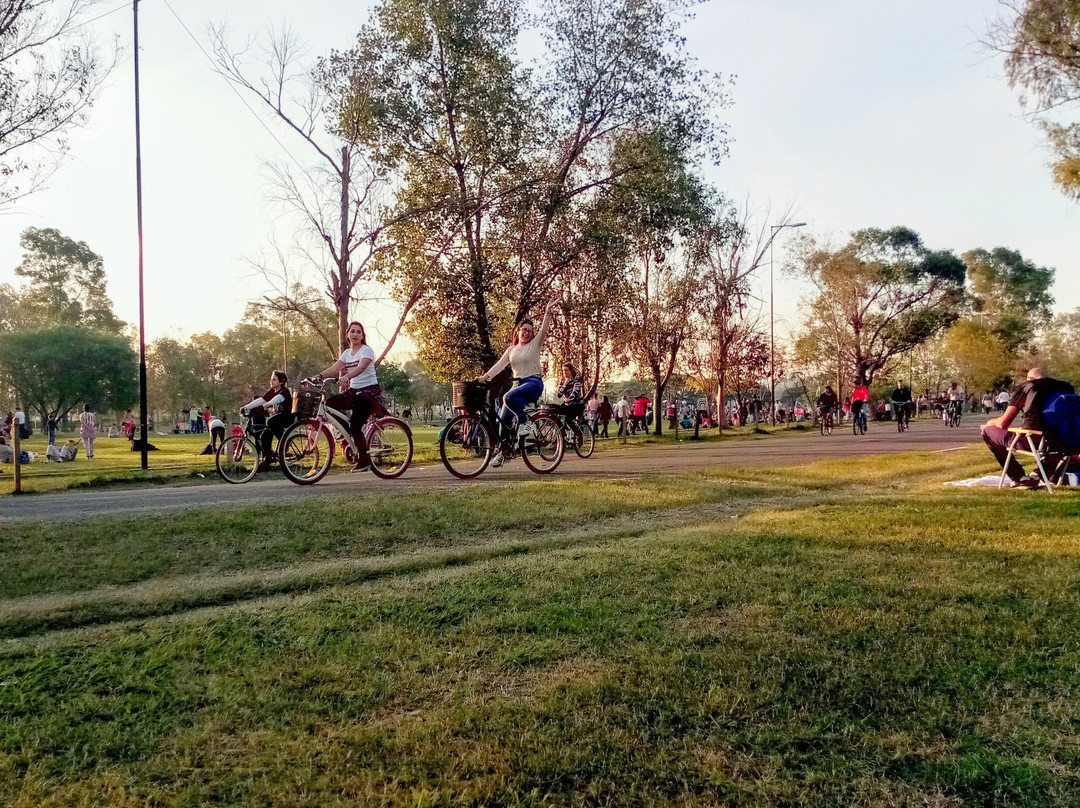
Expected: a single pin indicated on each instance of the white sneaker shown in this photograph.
(497, 460)
(525, 429)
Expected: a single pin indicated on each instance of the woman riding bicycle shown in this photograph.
(571, 391)
(860, 400)
(359, 386)
(523, 357)
(279, 399)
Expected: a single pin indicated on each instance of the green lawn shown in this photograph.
(846, 633)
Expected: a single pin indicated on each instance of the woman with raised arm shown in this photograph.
(359, 386)
(523, 357)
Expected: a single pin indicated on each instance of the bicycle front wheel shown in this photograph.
(465, 446)
(237, 459)
(306, 451)
(543, 448)
(584, 441)
(390, 447)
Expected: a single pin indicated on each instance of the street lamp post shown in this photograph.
(773, 230)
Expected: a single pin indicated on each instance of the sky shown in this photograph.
(849, 113)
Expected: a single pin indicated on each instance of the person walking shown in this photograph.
(622, 415)
(603, 413)
(50, 424)
(88, 427)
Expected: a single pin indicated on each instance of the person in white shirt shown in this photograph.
(523, 357)
(88, 426)
(359, 386)
(622, 415)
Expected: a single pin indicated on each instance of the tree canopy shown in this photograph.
(879, 295)
(1041, 40)
(55, 369)
(65, 283)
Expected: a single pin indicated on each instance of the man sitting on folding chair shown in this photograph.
(1030, 399)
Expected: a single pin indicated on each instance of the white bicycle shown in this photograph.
(307, 448)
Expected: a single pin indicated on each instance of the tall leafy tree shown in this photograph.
(1010, 295)
(65, 283)
(1041, 41)
(58, 368)
(50, 74)
(499, 162)
(880, 295)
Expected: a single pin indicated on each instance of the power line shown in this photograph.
(99, 17)
(232, 87)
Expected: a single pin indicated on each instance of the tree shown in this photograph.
(1010, 295)
(57, 368)
(396, 385)
(659, 210)
(1041, 40)
(979, 357)
(502, 162)
(66, 283)
(730, 252)
(337, 202)
(878, 296)
(1057, 347)
(50, 74)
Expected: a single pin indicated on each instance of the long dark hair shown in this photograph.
(363, 331)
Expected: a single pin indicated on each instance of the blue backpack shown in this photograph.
(1061, 419)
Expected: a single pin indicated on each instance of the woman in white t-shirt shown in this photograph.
(360, 391)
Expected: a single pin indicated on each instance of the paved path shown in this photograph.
(621, 462)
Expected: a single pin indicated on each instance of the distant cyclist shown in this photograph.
(827, 402)
(955, 395)
(901, 401)
(860, 401)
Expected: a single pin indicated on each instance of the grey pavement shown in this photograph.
(621, 462)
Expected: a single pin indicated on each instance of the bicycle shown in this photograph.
(468, 442)
(902, 413)
(825, 420)
(858, 421)
(576, 432)
(952, 413)
(239, 457)
(307, 448)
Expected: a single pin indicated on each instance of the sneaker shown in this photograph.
(497, 460)
(363, 465)
(1027, 481)
(525, 429)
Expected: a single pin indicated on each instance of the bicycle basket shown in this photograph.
(306, 401)
(470, 395)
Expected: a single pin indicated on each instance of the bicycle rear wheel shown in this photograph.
(584, 440)
(542, 449)
(466, 445)
(390, 447)
(237, 459)
(306, 451)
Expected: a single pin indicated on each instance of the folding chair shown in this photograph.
(1034, 443)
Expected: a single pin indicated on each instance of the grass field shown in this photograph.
(846, 633)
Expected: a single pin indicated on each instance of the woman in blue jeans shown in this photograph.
(523, 357)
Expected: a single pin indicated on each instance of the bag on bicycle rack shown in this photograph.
(306, 401)
(470, 396)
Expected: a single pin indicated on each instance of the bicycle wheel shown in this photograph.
(584, 441)
(237, 459)
(821, 424)
(543, 448)
(306, 451)
(466, 445)
(390, 447)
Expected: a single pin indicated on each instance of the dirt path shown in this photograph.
(619, 462)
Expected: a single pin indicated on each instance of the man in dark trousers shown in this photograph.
(1028, 399)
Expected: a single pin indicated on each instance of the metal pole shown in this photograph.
(144, 437)
(772, 331)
